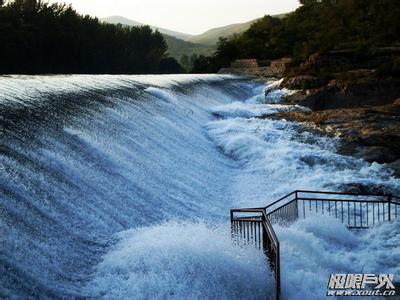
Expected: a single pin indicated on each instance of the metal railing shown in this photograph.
(257, 230)
(254, 226)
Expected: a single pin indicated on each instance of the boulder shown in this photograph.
(379, 154)
(344, 94)
(295, 98)
(303, 82)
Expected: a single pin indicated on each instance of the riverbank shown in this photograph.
(371, 133)
(351, 96)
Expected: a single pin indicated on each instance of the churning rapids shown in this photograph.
(120, 187)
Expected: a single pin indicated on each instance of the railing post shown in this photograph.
(264, 237)
(389, 204)
(232, 227)
(278, 272)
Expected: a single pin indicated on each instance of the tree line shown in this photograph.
(42, 38)
(316, 26)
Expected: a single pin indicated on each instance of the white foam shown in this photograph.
(274, 94)
(279, 156)
(181, 261)
(316, 247)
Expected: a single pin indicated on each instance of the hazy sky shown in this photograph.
(189, 16)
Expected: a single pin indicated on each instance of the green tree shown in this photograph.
(316, 26)
(202, 64)
(38, 37)
(170, 65)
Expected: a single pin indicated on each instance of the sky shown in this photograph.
(188, 16)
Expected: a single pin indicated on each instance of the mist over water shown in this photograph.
(120, 186)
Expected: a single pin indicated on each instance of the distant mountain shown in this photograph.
(180, 44)
(177, 47)
(210, 37)
(125, 21)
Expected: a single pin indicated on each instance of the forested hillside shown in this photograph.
(39, 38)
(125, 21)
(178, 47)
(210, 37)
(317, 26)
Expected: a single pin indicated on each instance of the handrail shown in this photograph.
(273, 211)
(330, 193)
(340, 193)
(261, 233)
(259, 229)
(284, 197)
(273, 234)
(340, 200)
(253, 209)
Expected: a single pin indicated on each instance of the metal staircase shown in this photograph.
(255, 226)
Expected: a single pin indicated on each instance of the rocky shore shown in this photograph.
(354, 98)
(339, 93)
(371, 133)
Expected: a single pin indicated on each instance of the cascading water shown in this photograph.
(120, 186)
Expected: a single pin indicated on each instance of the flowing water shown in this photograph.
(120, 186)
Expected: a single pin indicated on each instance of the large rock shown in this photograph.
(346, 79)
(342, 94)
(379, 154)
(302, 82)
(344, 60)
(295, 98)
